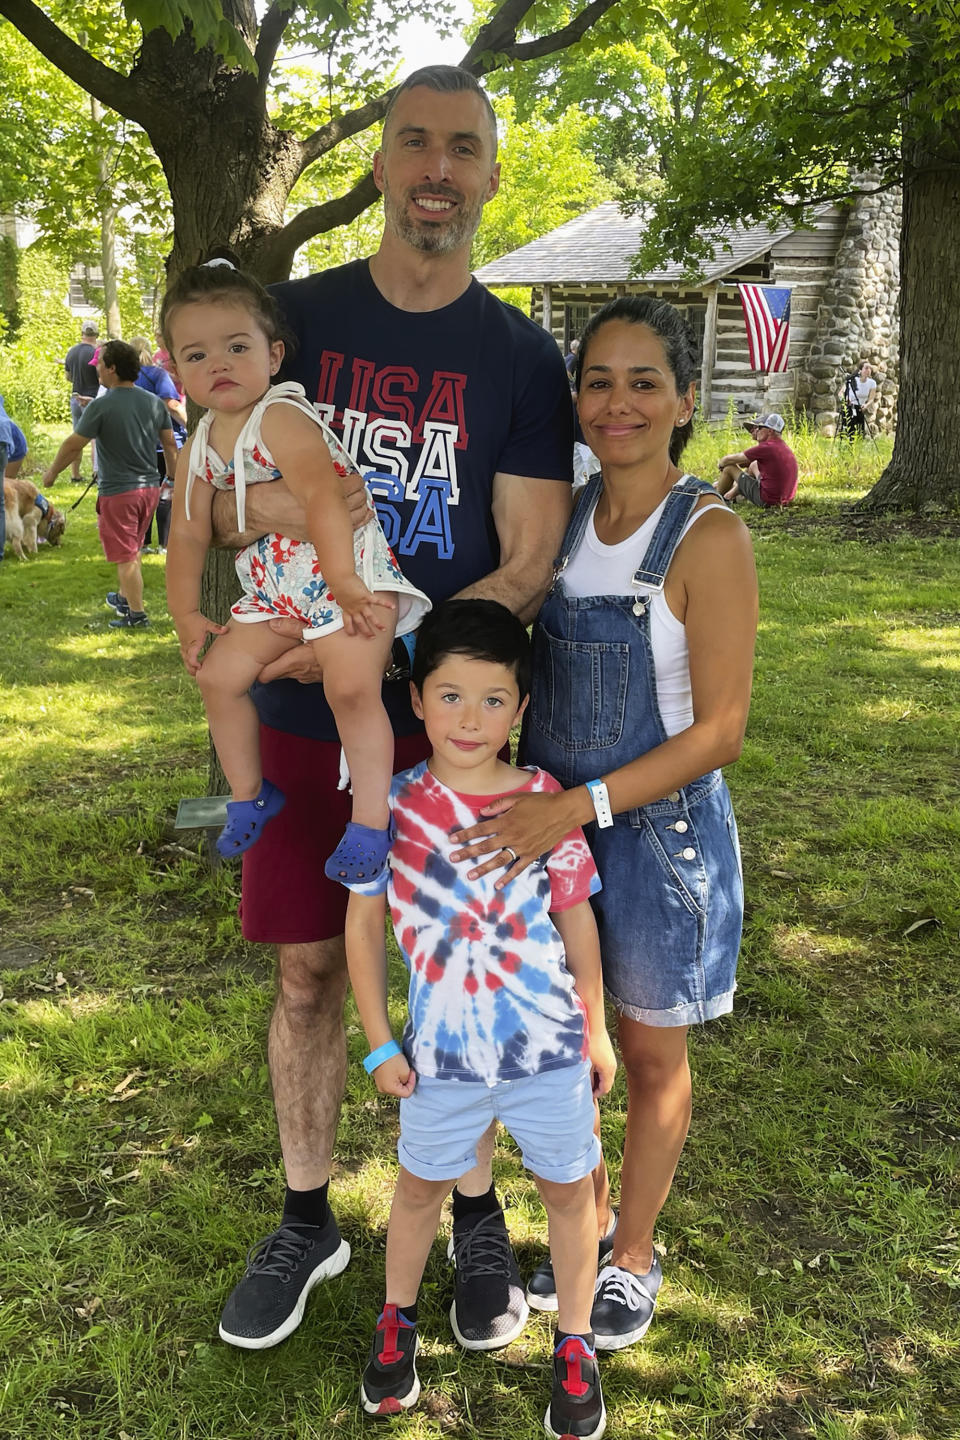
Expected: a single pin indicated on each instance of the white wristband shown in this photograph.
(601, 803)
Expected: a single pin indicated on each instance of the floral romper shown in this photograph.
(281, 577)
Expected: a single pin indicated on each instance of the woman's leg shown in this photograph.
(353, 667)
(414, 1220)
(572, 1219)
(658, 1118)
(228, 670)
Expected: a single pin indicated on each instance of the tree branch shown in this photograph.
(513, 49)
(317, 220)
(342, 128)
(112, 89)
(499, 32)
(272, 31)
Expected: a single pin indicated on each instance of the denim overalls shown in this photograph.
(671, 910)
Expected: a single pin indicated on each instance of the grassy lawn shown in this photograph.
(812, 1240)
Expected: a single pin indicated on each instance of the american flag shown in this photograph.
(766, 312)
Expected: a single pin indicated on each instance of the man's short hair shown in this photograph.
(119, 356)
(88, 328)
(446, 80)
(478, 629)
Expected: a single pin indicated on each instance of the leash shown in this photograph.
(83, 496)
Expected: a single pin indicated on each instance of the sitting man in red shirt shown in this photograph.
(766, 472)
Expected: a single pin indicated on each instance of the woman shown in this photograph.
(643, 658)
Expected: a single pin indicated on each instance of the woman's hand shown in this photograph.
(525, 826)
(394, 1077)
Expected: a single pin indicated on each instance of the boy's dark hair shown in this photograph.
(221, 282)
(446, 80)
(479, 629)
(119, 356)
(671, 329)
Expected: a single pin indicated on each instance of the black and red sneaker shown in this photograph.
(390, 1382)
(576, 1406)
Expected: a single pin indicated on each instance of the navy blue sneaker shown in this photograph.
(542, 1287)
(488, 1310)
(130, 620)
(117, 602)
(623, 1305)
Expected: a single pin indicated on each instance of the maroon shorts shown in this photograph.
(287, 899)
(124, 521)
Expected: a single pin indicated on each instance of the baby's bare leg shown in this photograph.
(229, 668)
(353, 667)
(572, 1216)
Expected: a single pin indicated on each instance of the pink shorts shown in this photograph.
(124, 521)
(286, 898)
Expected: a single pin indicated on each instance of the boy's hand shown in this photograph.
(192, 632)
(604, 1063)
(394, 1077)
(362, 610)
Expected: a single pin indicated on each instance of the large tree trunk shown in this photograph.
(925, 467)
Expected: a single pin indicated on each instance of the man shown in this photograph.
(127, 422)
(766, 472)
(458, 411)
(82, 375)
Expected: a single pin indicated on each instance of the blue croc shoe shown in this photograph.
(361, 854)
(246, 819)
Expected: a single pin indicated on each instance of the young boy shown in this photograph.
(506, 1015)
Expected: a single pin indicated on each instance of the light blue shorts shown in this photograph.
(550, 1116)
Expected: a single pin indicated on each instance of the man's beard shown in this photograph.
(440, 238)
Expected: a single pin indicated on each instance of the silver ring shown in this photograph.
(511, 852)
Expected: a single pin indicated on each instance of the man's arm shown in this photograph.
(530, 516)
(272, 507)
(70, 450)
(171, 454)
(739, 459)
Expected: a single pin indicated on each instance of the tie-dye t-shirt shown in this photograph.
(490, 995)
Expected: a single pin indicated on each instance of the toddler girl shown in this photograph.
(223, 333)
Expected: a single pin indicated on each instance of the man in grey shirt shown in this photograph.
(127, 423)
(78, 363)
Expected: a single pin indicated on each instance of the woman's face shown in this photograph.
(628, 401)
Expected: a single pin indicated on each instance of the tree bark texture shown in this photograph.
(925, 467)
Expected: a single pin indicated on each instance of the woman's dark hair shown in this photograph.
(670, 328)
(226, 282)
(479, 629)
(117, 355)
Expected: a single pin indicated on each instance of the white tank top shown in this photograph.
(598, 569)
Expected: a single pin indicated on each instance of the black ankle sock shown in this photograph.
(588, 1338)
(464, 1205)
(409, 1312)
(306, 1207)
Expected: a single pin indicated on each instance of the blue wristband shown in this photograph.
(377, 1057)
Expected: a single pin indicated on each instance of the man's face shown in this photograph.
(436, 169)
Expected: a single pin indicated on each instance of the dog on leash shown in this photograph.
(29, 515)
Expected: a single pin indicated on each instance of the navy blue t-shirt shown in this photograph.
(431, 404)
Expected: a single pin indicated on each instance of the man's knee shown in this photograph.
(312, 979)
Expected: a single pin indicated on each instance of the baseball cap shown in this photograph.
(773, 421)
(88, 328)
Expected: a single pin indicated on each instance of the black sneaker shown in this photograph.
(576, 1405)
(542, 1287)
(390, 1382)
(130, 620)
(268, 1303)
(623, 1305)
(118, 602)
(488, 1309)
